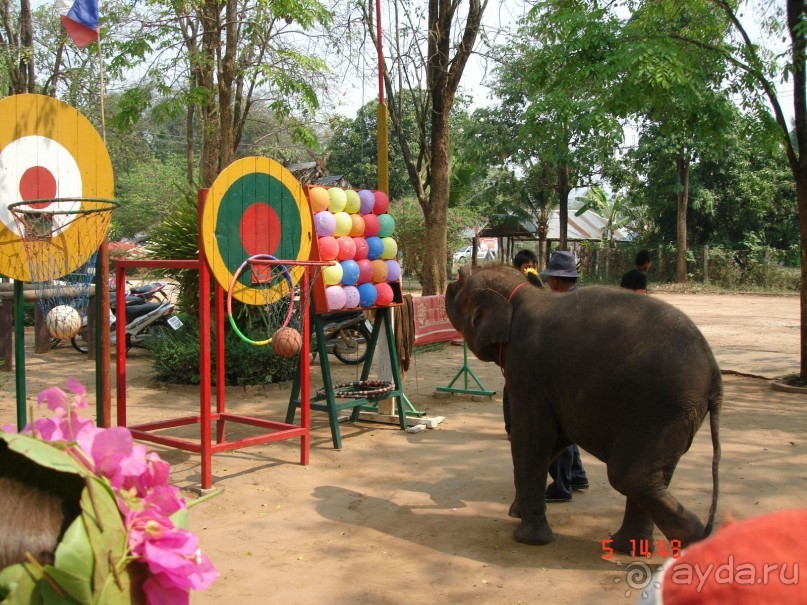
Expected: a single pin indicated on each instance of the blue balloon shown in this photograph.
(375, 247)
(350, 272)
(367, 294)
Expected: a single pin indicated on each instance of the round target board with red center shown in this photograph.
(255, 206)
(48, 152)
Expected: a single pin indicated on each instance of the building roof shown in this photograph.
(586, 227)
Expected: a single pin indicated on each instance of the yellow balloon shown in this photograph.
(332, 274)
(390, 248)
(353, 201)
(343, 224)
(338, 199)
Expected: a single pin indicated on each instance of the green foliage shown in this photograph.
(409, 229)
(175, 359)
(353, 148)
(177, 238)
(147, 193)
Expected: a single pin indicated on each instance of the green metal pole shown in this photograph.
(19, 353)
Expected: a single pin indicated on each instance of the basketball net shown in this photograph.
(60, 238)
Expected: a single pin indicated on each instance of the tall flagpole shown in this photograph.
(103, 383)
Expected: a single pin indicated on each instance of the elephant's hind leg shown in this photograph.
(644, 482)
(637, 528)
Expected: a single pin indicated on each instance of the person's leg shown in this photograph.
(561, 472)
(578, 473)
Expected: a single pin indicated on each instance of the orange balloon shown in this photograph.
(379, 271)
(319, 199)
(357, 225)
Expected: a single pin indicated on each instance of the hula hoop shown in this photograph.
(375, 388)
(236, 275)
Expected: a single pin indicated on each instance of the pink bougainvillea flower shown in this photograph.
(166, 499)
(165, 595)
(55, 398)
(171, 554)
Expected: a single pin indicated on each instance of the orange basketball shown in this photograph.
(287, 342)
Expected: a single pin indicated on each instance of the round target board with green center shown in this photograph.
(255, 206)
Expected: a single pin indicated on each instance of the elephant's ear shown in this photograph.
(491, 318)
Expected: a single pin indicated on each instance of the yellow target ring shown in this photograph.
(255, 206)
(49, 150)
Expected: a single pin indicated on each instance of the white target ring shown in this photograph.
(37, 167)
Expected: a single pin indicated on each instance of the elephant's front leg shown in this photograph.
(531, 456)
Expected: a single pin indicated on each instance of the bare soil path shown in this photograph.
(398, 518)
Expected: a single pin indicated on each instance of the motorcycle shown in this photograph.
(135, 295)
(347, 335)
(144, 320)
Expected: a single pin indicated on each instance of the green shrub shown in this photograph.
(175, 359)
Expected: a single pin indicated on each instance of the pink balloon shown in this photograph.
(336, 297)
(328, 248)
(381, 202)
(351, 297)
(384, 295)
(371, 225)
(361, 248)
(365, 270)
(347, 248)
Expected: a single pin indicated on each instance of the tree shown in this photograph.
(437, 54)
(17, 48)
(754, 74)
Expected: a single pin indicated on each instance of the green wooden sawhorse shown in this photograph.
(327, 401)
(466, 371)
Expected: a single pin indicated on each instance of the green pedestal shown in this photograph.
(465, 372)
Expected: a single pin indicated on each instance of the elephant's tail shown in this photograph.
(715, 402)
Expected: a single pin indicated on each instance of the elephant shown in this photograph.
(627, 377)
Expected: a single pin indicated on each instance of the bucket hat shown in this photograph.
(561, 264)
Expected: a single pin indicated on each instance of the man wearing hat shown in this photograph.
(566, 469)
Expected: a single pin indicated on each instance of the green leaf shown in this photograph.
(73, 566)
(44, 454)
(108, 540)
(17, 585)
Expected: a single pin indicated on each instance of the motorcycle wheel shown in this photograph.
(54, 342)
(351, 344)
(79, 341)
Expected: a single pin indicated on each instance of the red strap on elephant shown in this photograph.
(516, 289)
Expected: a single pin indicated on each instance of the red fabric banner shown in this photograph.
(431, 321)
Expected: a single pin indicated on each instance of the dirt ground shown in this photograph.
(400, 518)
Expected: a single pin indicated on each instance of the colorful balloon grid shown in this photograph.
(354, 229)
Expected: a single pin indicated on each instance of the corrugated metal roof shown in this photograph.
(586, 227)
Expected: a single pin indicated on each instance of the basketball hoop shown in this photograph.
(60, 240)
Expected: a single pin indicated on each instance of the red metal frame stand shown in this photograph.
(276, 431)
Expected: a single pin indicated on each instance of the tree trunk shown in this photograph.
(563, 197)
(436, 211)
(211, 138)
(682, 170)
(225, 82)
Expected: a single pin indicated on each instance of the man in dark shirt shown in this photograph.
(635, 279)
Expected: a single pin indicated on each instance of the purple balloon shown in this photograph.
(375, 247)
(325, 223)
(366, 201)
(393, 270)
(351, 297)
(336, 297)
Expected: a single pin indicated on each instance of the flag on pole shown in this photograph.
(80, 20)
